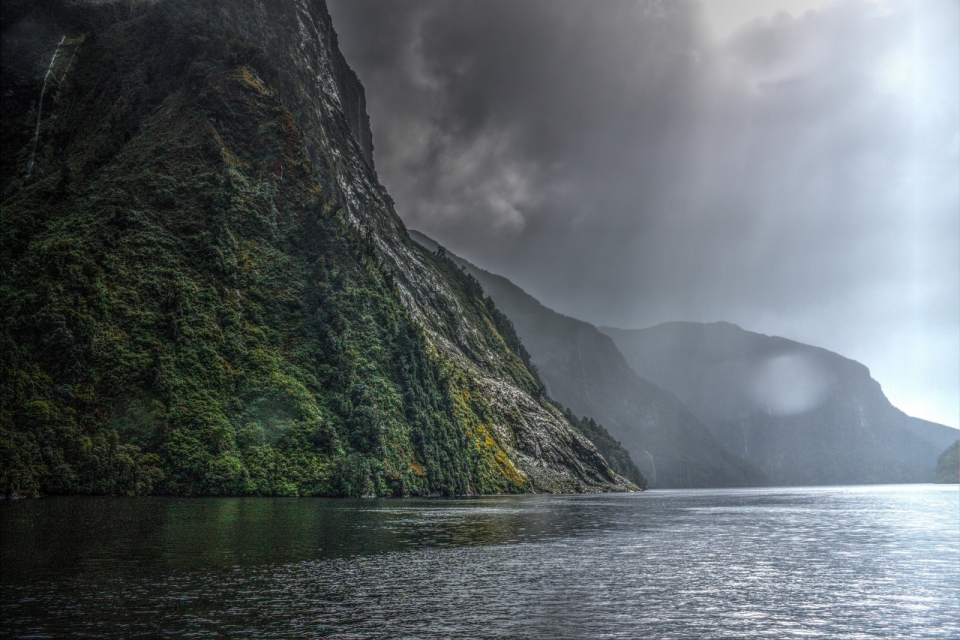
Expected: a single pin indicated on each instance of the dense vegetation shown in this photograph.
(612, 450)
(185, 311)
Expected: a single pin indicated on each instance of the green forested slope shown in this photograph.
(616, 455)
(185, 310)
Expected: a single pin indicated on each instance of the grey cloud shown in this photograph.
(521, 100)
(799, 178)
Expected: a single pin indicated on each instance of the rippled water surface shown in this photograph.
(837, 562)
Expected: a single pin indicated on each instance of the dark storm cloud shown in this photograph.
(486, 114)
(798, 178)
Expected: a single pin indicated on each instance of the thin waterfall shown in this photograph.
(43, 90)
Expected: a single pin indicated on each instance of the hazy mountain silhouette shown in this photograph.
(583, 369)
(802, 414)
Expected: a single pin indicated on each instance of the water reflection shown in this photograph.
(837, 562)
(59, 537)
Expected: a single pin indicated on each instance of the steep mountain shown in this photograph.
(205, 289)
(948, 465)
(803, 415)
(612, 450)
(582, 368)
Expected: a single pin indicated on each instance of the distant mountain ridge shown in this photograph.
(583, 369)
(802, 414)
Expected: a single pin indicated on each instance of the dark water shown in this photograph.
(838, 562)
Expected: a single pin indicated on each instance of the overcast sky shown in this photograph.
(790, 166)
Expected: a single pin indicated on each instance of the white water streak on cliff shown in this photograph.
(43, 91)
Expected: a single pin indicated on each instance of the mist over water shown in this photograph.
(838, 562)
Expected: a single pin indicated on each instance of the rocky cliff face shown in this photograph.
(803, 415)
(210, 292)
(583, 369)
